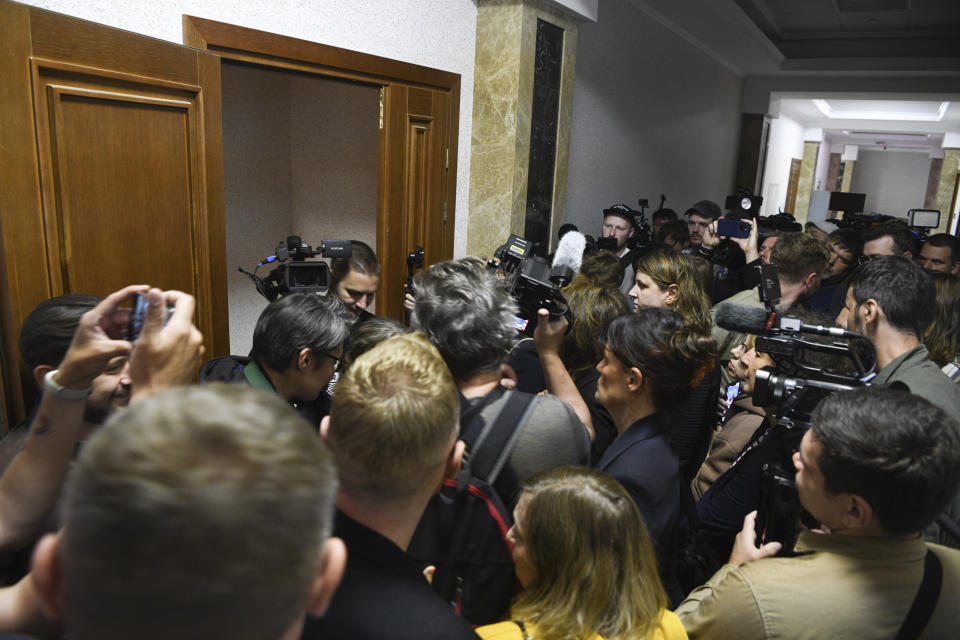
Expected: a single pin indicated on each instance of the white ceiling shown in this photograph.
(896, 124)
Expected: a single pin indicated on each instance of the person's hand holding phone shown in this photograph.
(170, 349)
(99, 338)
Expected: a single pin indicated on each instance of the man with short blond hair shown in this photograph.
(393, 433)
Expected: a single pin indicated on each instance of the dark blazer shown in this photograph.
(645, 464)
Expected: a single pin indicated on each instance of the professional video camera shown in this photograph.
(300, 275)
(533, 282)
(805, 371)
(644, 232)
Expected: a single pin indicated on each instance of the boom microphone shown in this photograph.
(757, 320)
(567, 259)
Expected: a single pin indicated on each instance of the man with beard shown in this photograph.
(44, 338)
(801, 260)
(77, 350)
(891, 300)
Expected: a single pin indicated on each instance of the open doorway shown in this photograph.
(300, 157)
(418, 111)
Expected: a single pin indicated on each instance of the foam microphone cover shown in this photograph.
(737, 317)
(570, 251)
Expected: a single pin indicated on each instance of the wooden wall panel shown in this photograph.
(113, 215)
(112, 172)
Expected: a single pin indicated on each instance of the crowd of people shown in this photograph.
(353, 477)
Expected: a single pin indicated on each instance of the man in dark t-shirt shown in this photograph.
(393, 433)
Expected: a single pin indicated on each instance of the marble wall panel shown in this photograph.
(805, 183)
(847, 175)
(948, 182)
(933, 183)
(502, 109)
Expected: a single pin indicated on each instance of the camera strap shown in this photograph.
(925, 601)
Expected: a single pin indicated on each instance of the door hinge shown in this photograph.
(447, 164)
(382, 91)
(444, 213)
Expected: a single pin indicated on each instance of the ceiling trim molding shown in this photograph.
(732, 11)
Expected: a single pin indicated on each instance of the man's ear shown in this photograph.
(955, 267)
(859, 513)
(39, 371)
(324, 428)
(870, 310)
(630, 233)
(809, 281)
(454, 460)
(47, 574)
(305, 359)
(332, 564)
(634, 379)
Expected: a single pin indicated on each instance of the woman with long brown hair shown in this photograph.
(666, 279)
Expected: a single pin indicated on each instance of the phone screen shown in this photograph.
(732, 392)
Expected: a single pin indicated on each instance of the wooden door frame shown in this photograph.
(242, 44)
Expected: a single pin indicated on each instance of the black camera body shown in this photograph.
(795, 385)
(296, 272)
(532, 283)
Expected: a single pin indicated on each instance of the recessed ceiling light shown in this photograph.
(910, 111)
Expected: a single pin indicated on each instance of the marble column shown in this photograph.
(847, 175)
(808, 166)
(502, 108)
(933, 183)
(948, 181)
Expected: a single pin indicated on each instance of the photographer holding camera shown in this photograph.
(875, 468)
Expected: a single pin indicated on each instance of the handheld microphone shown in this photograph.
(757, 320)
(568, 258)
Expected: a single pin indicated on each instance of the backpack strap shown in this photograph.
(925, 601)
(499, 436)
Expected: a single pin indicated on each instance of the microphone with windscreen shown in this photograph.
(568, 258)
(757, 321)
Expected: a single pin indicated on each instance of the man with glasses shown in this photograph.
(297, 348)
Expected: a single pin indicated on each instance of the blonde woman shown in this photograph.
(586, 564)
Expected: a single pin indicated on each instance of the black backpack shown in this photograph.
(463, 532)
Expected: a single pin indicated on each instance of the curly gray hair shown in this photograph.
(467, 315)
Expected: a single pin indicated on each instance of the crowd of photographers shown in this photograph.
(710, 427)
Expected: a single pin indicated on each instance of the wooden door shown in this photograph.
(414, 174)
(112, 164)
(792, 182)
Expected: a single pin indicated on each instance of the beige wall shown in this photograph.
(300, 158)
